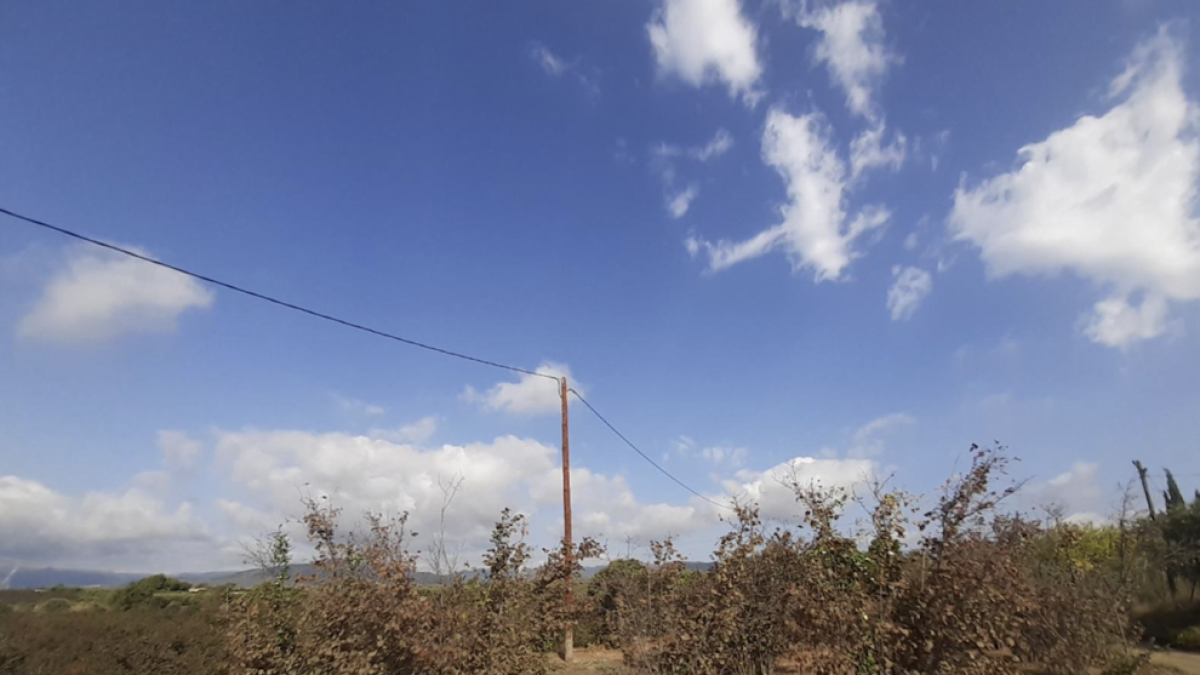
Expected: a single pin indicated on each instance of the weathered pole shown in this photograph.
(568, 645)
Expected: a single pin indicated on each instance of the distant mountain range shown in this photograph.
(46, 577)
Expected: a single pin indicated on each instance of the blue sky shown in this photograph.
(866, 233)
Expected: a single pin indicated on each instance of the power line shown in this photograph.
(272, 300)
(350, 324)
(646, 457)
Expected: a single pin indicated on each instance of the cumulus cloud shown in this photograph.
(854, 466)
(1117, 323)
(1075, 495)
(529, 395)
(359, 473)
(179, 451)
(817, 233)
(852, 48)
(1111, 198)
(417, 432)
(98, 295)
(769, 488)
(101, 529)
(704, 41)
(910, 288)
(264, 474)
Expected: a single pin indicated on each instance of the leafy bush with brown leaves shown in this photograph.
(362, 613)
(980, 593)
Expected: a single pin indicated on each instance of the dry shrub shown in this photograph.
(980, 594)
(362, 613)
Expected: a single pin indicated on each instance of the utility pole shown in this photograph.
(1137, 464)
(568, 645)
(1150, 505)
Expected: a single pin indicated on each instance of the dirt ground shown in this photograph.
(1182, 662)
(590, 662)
(608, 661)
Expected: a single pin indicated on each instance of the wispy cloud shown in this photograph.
(557, 67)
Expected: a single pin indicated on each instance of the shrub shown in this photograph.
(1188, 638)
(54, 605)
(980, 594)
(143, 593)
(110, 643)
(362, 613)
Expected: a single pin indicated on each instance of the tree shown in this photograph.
(1173, 496)
(1180, 529)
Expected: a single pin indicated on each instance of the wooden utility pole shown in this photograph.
(568, 645)
(1137, 464)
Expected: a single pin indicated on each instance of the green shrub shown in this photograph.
(1188, 639)
(143, 593)
(1164, 622)
(54, 605)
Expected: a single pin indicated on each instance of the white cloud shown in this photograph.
(101, 529)
(179, 451)
(663, 159)
(99, 295)
(1075, 492)
(354, 406)
(358, 473)
(908, 291)
(816, 232)
(867, 151)
(417, 432)
(679, 203)
(720, 144)
(552, 64)
(1116, 323)
(721, 454)
(716, 455)
(867, 441)
(529, 395)
(702, 41)
(1110, 198)
(605, 507)
(265, 473)
(777, 501)
(852, 48)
